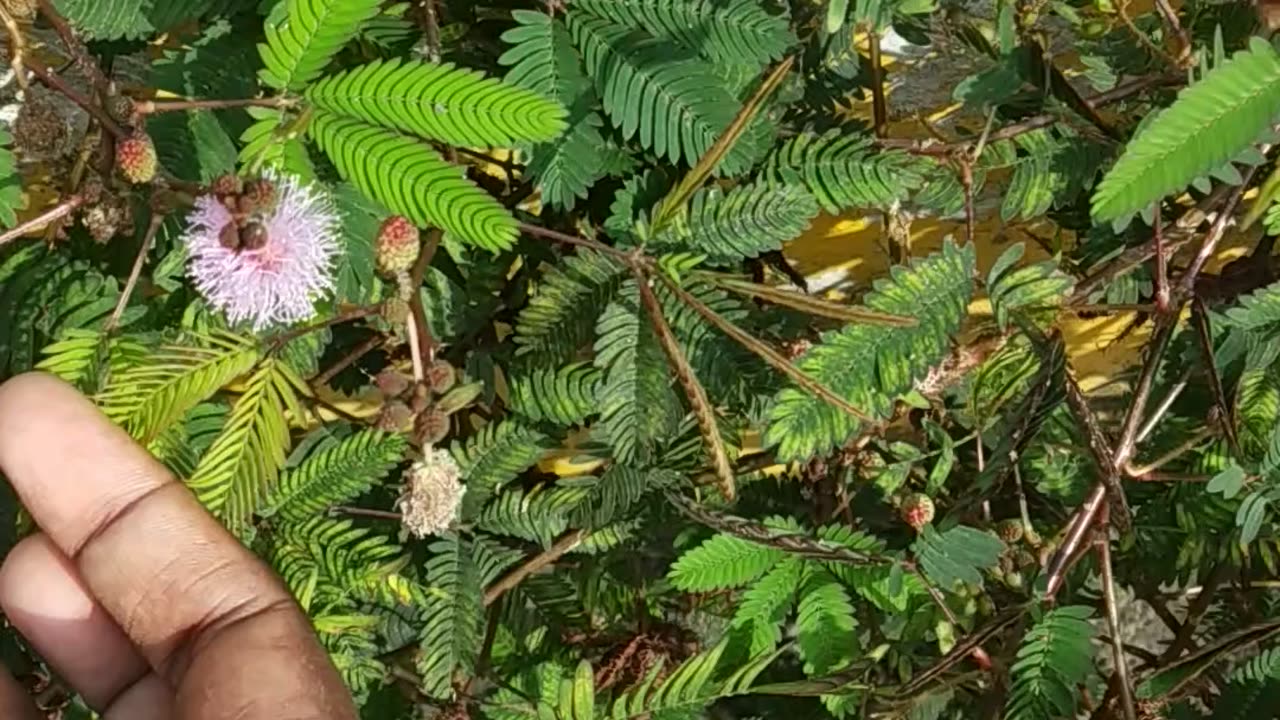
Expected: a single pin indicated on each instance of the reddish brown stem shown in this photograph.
(566, 543)
(1123, 682)
(349, 359)
(1079, 527)
(57, 212)
(557, 236)
(55, 82)
(970, 214)
(1162, 273)
(879, 108)
(431, 28)
(365, 513)
(348, 315)
(77, 49)
(1215, 234)
(152, 228)
(1037, 122)
(151, 107)
(426, 349)
(1204, 336)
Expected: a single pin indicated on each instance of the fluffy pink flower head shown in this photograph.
(276, 279)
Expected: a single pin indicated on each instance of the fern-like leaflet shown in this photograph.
(638, 406)
(494, 457)
(560, 317)
(742, 223)
(453, 612)
(1055, 656)
(149, 397)
(439, 102)
(334, 474)
(739, 31)
(672, 102)
(543, 59)
(722, 562)
(843, 171)
(244, 463)
(565, 396)
(303, 41)
(871, 365)
(412, 179)
(1211, 122)
(1012, 289)
(328, 562)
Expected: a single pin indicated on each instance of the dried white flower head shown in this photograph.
(432, 495)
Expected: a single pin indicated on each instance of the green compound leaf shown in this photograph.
(440, 102)
(302, 40)
(412, 179)
(1211, 122)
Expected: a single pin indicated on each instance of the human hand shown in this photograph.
(140, 599)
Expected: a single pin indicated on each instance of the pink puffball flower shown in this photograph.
(277, 283)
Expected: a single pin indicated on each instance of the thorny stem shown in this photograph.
(1113, 625)
(978, 654)
(693, 390)
(1204, 336)
(1088, 512)
(365, 513)
(1183, 55)
(431, 28)
(416, 275)
(1177, 452)
(1076, 531)
(348, 315)
(1036, 122)
(17, 47)
(566, 543)
(879, 108)
(55, 82)
(77, 49)
(1109, 469)
(1165, 404)
(1142, 392)
(772, 357)
(1162, 273)
(1134, 258)
(797, 544)
(53, 214)
(350, 359)
(1215, 234)
(151, 107)
(152, 228)
(1197, 610)
(1122, 9)
(557, 236)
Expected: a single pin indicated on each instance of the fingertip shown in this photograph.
(45, 599)
(19, 390)
(73, 469)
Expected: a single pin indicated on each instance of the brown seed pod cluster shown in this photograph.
(412, 405)
(248, 202)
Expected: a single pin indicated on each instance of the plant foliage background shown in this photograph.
(697, 483)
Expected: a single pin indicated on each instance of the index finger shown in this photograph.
(206, 614)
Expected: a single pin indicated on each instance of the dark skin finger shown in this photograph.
(207, 619)
(14, 703)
